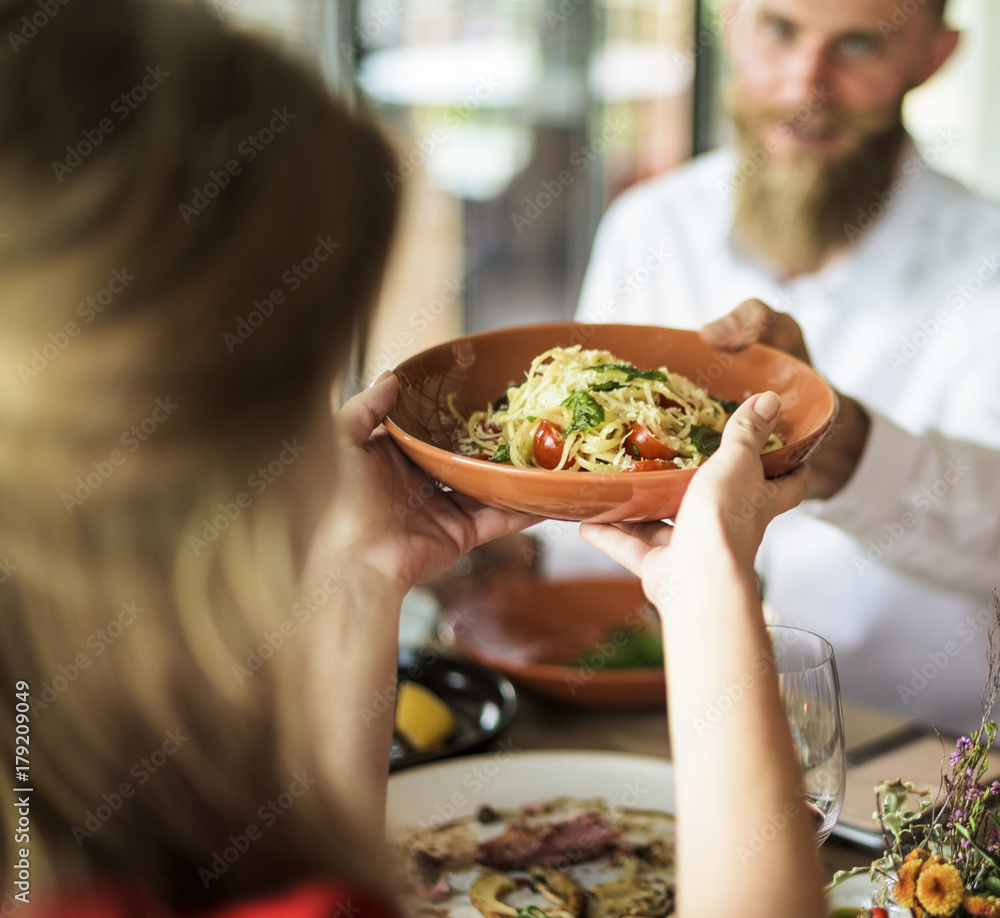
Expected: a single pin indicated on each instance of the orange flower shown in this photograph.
(985, 906)
(940, 889)
(917, 856)
(904, 891)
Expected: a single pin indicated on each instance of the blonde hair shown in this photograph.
(192, 233)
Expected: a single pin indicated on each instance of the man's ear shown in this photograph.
(942, 46)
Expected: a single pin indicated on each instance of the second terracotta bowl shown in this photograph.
(531, 629)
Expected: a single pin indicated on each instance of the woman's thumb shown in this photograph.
(752, 423)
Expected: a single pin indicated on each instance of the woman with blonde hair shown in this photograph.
(193, 235)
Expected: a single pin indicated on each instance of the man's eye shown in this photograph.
(776, 28)
(854, 46)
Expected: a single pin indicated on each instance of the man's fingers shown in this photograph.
(754, 321)
(741, 327)
(785, 335)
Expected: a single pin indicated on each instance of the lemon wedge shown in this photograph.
(422, 719)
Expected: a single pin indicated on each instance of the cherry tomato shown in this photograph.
(649, 465)
(548, 446)
(641, 444)
(663, 401)
(879, 912)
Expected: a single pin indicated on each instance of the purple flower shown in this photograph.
(954, 757)
(995, 788)
(964, 744)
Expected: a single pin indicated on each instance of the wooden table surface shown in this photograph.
(545, 725)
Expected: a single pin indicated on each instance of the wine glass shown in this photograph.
(807, 678)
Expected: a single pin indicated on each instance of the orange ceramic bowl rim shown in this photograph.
(551, 672)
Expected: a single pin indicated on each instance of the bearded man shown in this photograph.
(826, 210)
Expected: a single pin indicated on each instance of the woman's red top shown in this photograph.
(317, 899)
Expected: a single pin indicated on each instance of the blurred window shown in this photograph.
(518, 121)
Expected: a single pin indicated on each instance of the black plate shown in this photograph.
(483, 701)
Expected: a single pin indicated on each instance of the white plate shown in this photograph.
(429, 795)
(856, 891)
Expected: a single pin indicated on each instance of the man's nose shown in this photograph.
(805, 72)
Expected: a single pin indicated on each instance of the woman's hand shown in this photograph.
(387, 527)
(725, 510)
(403, 525)
(733, 770)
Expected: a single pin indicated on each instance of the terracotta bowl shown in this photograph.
(476, 370)
(529, 628)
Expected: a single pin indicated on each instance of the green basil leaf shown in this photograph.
(630, 371)
(503, 403)
(501, 453)
(705, 439)
(726, 405)
(629, 650)
(586, 412)
(609, 386)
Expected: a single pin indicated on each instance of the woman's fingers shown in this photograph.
(752, 423)
(490, 522)
(628, 543)
(619, 546)
(733, 479)
(736, 463)
(790, 490)
(363, 413)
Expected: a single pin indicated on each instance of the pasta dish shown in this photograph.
(586, 410)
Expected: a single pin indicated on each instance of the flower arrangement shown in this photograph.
(942, 860)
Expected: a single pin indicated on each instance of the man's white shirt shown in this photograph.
(897, 570)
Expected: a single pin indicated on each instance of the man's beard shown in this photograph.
(798, 210)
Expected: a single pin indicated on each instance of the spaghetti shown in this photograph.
(586, 410)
